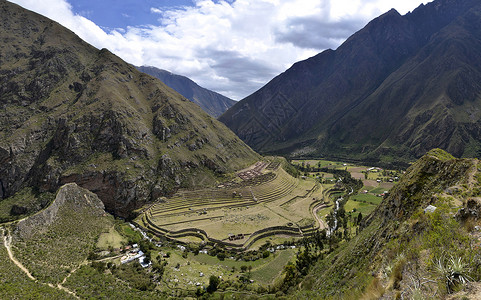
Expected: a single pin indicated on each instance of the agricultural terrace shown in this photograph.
(264, 201)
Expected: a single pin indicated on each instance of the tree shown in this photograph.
(213, 284)
(221, 256)
(359, 218)
(291, 278)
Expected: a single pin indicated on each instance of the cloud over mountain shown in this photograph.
(262, 38)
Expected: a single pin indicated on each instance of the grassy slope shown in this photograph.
(349, 270)
(52, 251)
(14, 284)
(57, 253)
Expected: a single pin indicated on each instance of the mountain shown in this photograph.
(404, 249)
(73, 113)
(211, 102)
(392, 91)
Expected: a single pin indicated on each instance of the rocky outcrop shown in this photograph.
(472, 210)
(69, 195)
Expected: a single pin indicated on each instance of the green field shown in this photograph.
(375, 200)
(360, 207)
(271, 271)
(111, 239)
(378, 190)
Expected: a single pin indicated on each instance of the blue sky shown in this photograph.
(233, 47)
(112, 14)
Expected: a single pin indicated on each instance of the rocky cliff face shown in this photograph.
(394, 90)
(211, 102)
(72, 113)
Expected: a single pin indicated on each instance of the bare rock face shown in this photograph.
(69, 196)
(72, 113)
(472, 210)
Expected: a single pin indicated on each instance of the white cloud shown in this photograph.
(155, 10)
(233, 47)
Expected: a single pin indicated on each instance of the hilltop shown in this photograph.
(395, 89)
(211, 102)
(73, 113)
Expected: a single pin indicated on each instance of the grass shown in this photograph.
(378, 190)
(273, 240)
(14, 284)
(323, 163)
(364, 208)
(89, 283)
(52, 252)
(367, 198)
(184, 271)
(227, 263)
(111, 239)
(272, 270)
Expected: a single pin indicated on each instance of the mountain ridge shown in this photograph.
(314, 107)
(211, 102)
(73, 113)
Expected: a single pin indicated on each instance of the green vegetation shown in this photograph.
(22, 204)
(367, 198)
(271, 271)
(402, 249)
(53, 252)
(89, 282)
(111, 239)
(14, 284)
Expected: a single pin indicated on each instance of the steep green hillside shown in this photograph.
(16, 285)
(49, 254)
(394, 90)
(72, 113)
(403, 250)
(211, 102)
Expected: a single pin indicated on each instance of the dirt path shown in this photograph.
(7, 242)
(316, 208)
